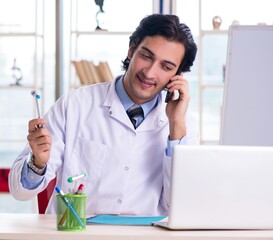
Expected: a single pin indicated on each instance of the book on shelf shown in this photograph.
(93, 70)
(105, 72)
(89, 73)
(80, 72)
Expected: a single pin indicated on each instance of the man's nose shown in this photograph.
(151, 70)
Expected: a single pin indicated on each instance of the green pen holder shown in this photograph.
(71, 212)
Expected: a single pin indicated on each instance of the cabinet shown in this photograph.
(206, 78)
(212, 47)
(97, 46)
(21, 57)
(110, 45)
(21, 47)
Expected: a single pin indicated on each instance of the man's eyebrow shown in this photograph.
(148, 50)
(165, 61)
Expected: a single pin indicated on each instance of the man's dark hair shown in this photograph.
(167, 26)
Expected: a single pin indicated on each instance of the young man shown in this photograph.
(127, 162)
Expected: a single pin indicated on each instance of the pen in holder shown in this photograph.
(77, 205)
(73, 207)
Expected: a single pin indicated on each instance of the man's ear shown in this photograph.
(131, 50)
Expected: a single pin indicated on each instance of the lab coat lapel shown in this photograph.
(155, 119)
(115, 107)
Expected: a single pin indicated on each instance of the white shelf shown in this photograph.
(20, 87)
(100, 32)
(13, 140)
(34, 68)
(20, 34)
(213, 32)
(212, 85)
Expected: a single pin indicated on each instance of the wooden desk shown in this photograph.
(43, 227)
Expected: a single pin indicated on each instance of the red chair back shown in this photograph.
(4, 176)
(44, 196)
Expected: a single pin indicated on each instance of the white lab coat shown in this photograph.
(127, 170)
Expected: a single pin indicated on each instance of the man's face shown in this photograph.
(152, 64)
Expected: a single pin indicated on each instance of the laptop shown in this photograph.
(221, 187)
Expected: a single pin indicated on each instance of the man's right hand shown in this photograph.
(40, 141)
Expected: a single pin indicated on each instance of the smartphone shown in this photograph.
(169, 94)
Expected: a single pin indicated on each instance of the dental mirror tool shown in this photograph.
(35, 94)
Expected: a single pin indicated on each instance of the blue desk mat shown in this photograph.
(123, 220)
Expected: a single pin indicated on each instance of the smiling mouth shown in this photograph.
(145, 83)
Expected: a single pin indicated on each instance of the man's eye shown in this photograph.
(145, 56)
(166, 68)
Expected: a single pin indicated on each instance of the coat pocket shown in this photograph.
(88, 157)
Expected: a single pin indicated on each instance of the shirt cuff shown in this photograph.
(172, 143)
(29, 179)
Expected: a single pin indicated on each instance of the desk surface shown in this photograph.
(43, 227)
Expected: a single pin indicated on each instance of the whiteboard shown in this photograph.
(247, 113)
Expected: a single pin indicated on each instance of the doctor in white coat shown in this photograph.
(88, 130)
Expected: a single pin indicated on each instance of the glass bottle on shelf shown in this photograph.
(100, 16)
(16, 74)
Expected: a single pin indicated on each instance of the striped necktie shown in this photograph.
(134, 112)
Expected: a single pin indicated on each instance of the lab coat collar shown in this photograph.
(155, 119)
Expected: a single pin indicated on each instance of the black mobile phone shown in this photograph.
(169, 94)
